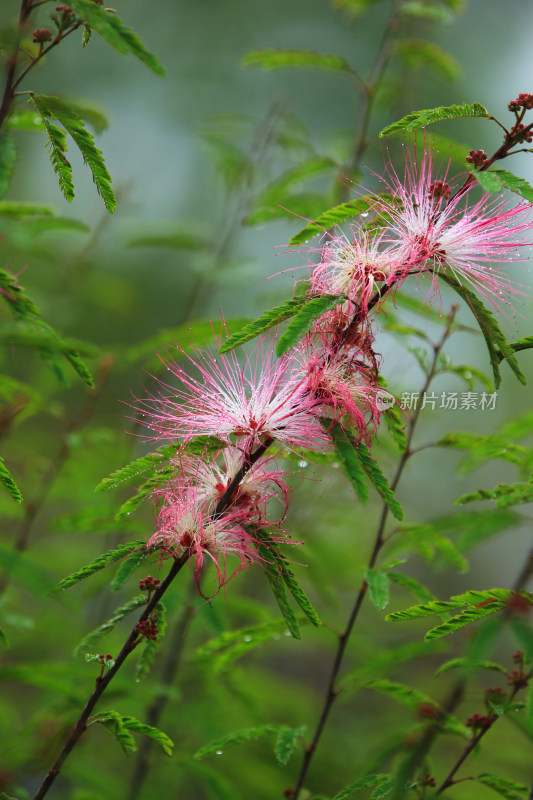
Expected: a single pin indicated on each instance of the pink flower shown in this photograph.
(262, 399)
(342, 384)
(434, 228)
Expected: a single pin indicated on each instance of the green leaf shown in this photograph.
(57, 147)
(467, 663)
(266, 321)
(503, 495)
(166, 744)
(110, 27)
(334, 216)
(420, 10)
(274, 574)
(238, 737)
(20, 568)
(145, 464)
(126, 568)
(221, 652)
(283, 59)
(379, 480)
(377, 664)
(368, 782)
(49, 106)
(419, 119)
(502, 786)
(304, 318)
(414, 700)
(113, 721)
(99, 563)
(3, 638)
(429, 542)
(22, 119)
(8, 159)
(378, 587)
(355, 8)
(497, 344)
(495, 180)
(523, 344)
(485, 448)
(411, 585)
(150, 646)
(347, 453)
(287, 742)
(465, 618)
(415, 54)
(89, 641)
(8, 482)
(13, 209)
(144, 492)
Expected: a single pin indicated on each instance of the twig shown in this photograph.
(7, 97)
(344, 637)
(103, 681)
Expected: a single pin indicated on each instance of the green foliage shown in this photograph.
(429, 542)
(238, 737)
(3, 638)
(188, 336)
(503, 495)
(89, 641)
(278, 573)
(415, 54)
(344, 446)
(496, 180)
(466, 663)
(178, 240)
(145, 464)
(144, 492)
(304, 318)
(221, 652)
(150, 646)
(355, 8)
(368, 782)
(411, 585)
(497, 344)
(8, 482)
(8, 159)
(419, 10)
(283, 59)
(484, 448)
(54, 108)
(126, 568)
(21, 568)
(378, 587)
(266, 321)
(379, 480)
(287, 742)
(335, 216)
(419, 119)
(14, 209)
(414, 700)
(502, 786)
(381, 663)
(120, 726)
(523, 344)
(110, 27)
(99, 563)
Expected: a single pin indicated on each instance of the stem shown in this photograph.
(331, 691)
(449, 781)
(59, 38)
(7, 97)
(129, 645)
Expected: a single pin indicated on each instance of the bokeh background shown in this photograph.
(192, 156)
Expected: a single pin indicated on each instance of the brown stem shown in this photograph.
(449, 781)
(331, 691)
(9, 87)
(157, 706)
(132, 640)
(59, 38)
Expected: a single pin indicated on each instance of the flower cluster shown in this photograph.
(252, 409)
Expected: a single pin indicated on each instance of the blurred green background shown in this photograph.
(191, 156)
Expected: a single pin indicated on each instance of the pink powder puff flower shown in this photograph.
(264, 399)
(260, 484)
(355, 266)
(434, 228)
(342, 384)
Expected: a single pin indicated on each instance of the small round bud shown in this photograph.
(42, 35)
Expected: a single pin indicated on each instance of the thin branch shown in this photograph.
(133, 638)
(7, 97)
(331, 691)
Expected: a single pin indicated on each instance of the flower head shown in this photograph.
(264, 399)
(435, 228)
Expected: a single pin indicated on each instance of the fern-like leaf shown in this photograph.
(266, 321)
(110, 27)
(283, 59)
(238, 737)
(49, 106)
(89, 641)
(335, 216)
(351, 463)
(379, 480)
(57, 147)
(99, 563)
(8, 482)
(304, 318)
(419, 119)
